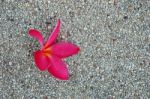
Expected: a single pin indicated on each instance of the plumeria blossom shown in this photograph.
(50, 56)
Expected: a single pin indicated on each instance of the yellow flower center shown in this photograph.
(47, 52)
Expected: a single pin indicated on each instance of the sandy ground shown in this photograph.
(114, 37)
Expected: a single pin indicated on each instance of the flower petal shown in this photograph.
(54, 34)
(37, 35)
(42, 62)
(64, 49)
(58, 68)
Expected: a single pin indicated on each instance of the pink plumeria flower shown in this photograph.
(50, 56)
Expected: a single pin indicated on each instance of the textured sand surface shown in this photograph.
(114, 37)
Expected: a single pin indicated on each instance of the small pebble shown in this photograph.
(10, 63)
